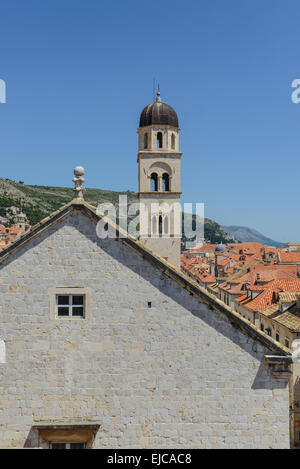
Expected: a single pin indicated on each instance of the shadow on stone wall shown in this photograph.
(125, 255)
(260, 379)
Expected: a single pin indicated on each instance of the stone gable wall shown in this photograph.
(177, 374)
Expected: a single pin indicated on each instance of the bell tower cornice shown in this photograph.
(159, 154)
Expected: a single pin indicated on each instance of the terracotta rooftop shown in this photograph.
(204, 248)
(150, 256)
(205, 277)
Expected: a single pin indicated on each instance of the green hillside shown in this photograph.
(39, 201)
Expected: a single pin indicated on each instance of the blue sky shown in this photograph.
(78, 74)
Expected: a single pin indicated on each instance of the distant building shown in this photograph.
(18, 225)
(20, 221)
(292, 247)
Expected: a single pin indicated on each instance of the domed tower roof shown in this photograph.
(158, 113)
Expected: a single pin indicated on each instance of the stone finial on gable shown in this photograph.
(78, 181)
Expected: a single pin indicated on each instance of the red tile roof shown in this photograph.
(204, 248)
(285, 257)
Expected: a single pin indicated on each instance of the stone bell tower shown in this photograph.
(159, 180)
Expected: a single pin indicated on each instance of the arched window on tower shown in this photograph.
(146, 140)
(160, 225)
(173, 142)
(166, 182)
(159, 140)
(154, 182)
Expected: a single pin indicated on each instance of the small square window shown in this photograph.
(70, 305)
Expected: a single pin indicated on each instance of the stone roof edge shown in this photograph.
(164, 266)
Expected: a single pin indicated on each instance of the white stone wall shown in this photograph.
(177, 374)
